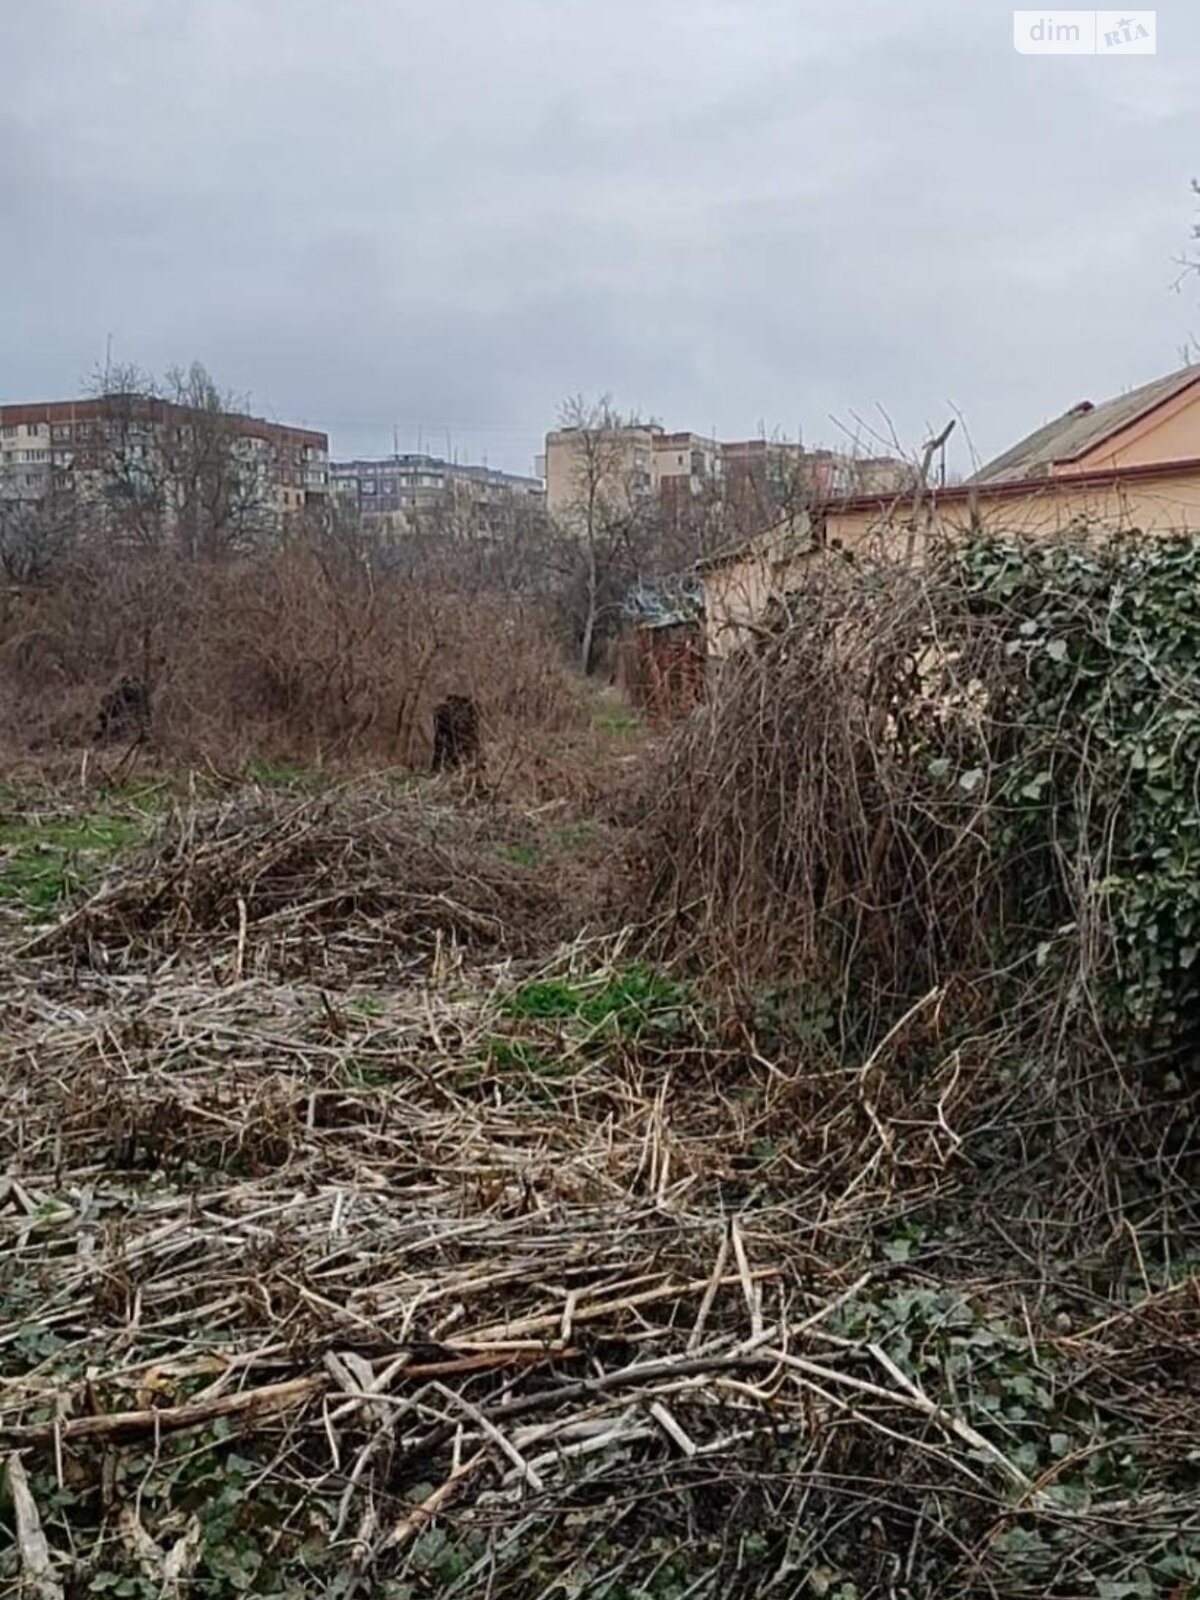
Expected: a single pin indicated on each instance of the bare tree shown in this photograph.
(35, 536)
(178, 465)
(218, 472)
(610, 519)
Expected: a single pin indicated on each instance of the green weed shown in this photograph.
(365, 1006)
(519, 1055)
(364, 1075)
(627, 1000)
(279, 775)
(575, 835)
(622, 722)
(521, 855)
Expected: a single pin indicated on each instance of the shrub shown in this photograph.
(302, 654)
(983, 775)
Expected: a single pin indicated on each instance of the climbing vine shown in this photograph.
(1095, 778)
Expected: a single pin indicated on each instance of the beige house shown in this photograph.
(741, 584)
(1132, 462)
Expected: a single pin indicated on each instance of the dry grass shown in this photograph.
(368, 1228)
(418, 1281)
(793, 831)
(303, 654)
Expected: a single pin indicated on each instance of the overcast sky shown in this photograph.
(446, 216)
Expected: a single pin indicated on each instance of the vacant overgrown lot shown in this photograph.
(412, 1188)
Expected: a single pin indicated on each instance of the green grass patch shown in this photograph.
(44, 862)
(521, 855)
(365, 1006)
(626, 1000)
(356, 1074)
(519, 1055)
(280, 775)
(622, 722)
(575, 835)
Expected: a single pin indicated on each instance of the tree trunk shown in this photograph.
(589, 621)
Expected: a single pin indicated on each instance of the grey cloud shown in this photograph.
(726, 212)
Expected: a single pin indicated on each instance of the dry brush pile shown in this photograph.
(951, 816)
(364, 879)
(337, 1255)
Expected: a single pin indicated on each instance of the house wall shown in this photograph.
(1169, 433)
(1158, 492)
(1164, 503)
(738, 592)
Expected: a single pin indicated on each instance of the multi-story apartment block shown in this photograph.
(765, 478)
(393, 491)
(619, 464)
(753, 481)
(88, 449)
(687, 467)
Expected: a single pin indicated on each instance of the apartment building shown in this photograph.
(89, 450)
(754, 481)
(687, 467)
(393, 491)
(619, 462)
